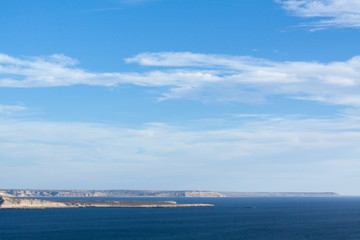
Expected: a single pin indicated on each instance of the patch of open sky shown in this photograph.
(234, 33)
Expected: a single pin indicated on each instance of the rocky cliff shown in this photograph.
(149, 193)
(108, 193)
(25, 203)
(11, 202)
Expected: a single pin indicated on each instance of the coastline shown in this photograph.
(42, 193)
(7, 202)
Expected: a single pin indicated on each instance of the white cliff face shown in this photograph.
(207, 194)
(26, 203)
(11, 202)
(150, 193)
(108, 193)
(2, 193)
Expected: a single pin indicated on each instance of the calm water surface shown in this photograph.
(273, 218)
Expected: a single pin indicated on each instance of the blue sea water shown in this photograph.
(273, 218)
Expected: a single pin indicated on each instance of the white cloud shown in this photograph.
(206, 77)
(334, 82)
(331, 13)
(106, 156)
(8, 109)
(59, 70)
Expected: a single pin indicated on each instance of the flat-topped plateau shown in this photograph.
(7, 202)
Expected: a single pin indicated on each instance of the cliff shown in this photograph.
(25, 203)
(108, 193)
(11, 202)
(150, 193)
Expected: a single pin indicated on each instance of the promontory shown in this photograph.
(7, 202)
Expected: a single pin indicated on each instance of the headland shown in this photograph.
(7, 202)
(35, 193)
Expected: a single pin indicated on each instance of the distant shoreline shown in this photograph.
(153, 193)
(30, 203)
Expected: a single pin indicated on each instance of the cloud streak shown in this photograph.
(264, 148)
(330, 13)
(8, 109)
(199, 76)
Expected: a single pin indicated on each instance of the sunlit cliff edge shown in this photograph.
(28, 203)
(150, 193)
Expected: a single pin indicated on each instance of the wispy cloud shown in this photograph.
(200, 76)
(328, 13)
(265, 148)
(8, 109)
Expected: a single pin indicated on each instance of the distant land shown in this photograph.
(7, 202)
(150, 193)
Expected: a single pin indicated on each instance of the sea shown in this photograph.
(231, 218)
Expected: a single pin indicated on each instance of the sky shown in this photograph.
(223, 95)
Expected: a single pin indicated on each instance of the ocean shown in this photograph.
(231, 218)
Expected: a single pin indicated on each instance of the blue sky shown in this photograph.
(235, 95)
